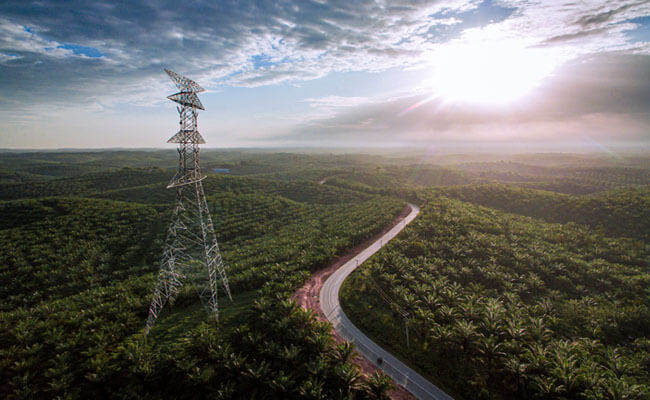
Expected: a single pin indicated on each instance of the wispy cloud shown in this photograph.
(570, 104)
(218, 43)
(252, 44)
(8, 57)
(103, 54)
(16, 38)
(336, 102)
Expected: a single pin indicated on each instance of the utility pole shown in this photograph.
(406, 326)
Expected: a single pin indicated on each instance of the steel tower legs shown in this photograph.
(191, 255)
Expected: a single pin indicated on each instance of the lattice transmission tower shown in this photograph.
(191, 253)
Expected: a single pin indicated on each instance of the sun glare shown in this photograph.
(496, 73)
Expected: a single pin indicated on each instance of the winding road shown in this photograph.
(329, 303)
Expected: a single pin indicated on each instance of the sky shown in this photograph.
(551, 74)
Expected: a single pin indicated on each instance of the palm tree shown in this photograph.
(446, 314)
(344, 352)
(432, 301)
(378, 385)
(312, 388)
(490, 348)
(443, 335)
(545, 387)
(349, 376)
(515, 333)
(466, 333)
(537, 330)
(469, 307)
(492, 319)
(514, 366)
(615, 363)
(565, 369)
(537, 357)
(423, 319)
(410, 301)
(620, 389)
(281, 383)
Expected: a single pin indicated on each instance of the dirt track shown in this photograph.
(308, 297)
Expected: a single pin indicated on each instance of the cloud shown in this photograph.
(106, 54)
(336, 102)
(214, 42)
(606, 15)
(8, 57)
(220, 43)
(606, 95)
(16, 38)
(591, 27)
(331, 106)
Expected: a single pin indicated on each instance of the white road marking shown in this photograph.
(329, 302)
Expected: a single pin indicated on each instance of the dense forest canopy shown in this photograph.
(524, 276)
(505, 306)
(78, 273)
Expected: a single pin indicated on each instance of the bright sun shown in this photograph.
(494, 73)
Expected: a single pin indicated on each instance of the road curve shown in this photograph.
(329, 302)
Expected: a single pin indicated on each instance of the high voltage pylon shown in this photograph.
(191, 253)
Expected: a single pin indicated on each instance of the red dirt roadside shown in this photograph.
(308, 296)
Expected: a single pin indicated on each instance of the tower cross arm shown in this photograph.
(183, 83)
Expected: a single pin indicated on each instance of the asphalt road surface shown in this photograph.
(329, 300)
